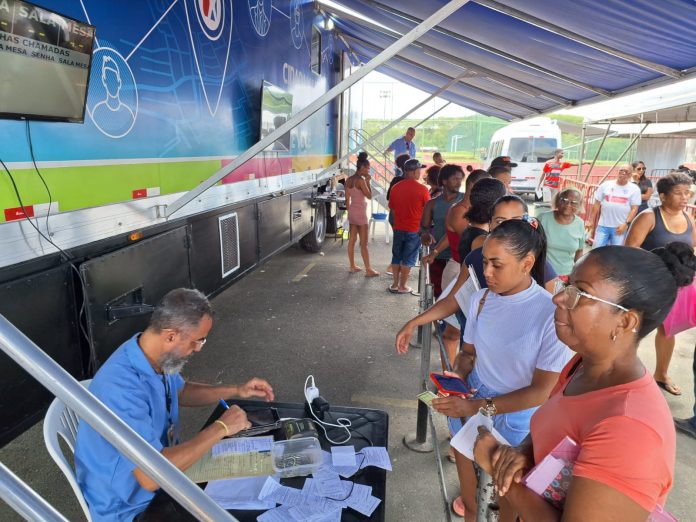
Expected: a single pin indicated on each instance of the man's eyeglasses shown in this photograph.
(573, 295)
(571, 202)
(201, 342)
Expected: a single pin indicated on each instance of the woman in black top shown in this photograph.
(645, 185)
(655, 228)
(483, 195)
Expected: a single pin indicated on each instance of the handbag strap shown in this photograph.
(481, 302)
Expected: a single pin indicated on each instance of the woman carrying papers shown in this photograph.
(605, 400)
(511, 356)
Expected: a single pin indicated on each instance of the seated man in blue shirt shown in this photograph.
(404, 144)
(141, 383)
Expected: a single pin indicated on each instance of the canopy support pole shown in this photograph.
(624, 153)
(489, 49)
(552, 28)
(599, 149)
(582, 149)
(372, 139)
(413, 35)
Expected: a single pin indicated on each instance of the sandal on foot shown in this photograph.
(393, 289)
(669, 387)
(406, 290)
(458, 507)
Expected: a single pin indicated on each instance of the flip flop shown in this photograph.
(458, 507)
(371, 274)
(406, 290)
(393, 289)
(354, 270)
(669, 387)
(450, 456)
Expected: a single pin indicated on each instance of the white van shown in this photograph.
(530, 144)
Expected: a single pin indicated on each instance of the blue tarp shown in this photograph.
(662, 32)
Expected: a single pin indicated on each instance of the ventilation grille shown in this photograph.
(229, 243)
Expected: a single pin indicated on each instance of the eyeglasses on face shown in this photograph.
(201, 342)
(573, 295)
(640, 168)
(571, 202)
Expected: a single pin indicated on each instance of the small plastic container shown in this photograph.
(296, 457)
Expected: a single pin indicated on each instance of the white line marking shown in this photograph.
(304, 272)
(151, 29)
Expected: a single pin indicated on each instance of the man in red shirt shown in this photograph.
(407, 200)
(552, 176)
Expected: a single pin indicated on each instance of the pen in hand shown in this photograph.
(224, 404)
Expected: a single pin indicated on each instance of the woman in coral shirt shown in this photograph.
(605, 399)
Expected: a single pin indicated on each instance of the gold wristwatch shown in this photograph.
(489, 409)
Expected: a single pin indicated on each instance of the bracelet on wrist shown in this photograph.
(224, 426)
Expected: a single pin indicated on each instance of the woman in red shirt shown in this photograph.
(605, 400)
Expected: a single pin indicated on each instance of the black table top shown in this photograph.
(369, 428)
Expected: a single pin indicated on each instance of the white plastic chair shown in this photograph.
(379, 218)
(61, 420)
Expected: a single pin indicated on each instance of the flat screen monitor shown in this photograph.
(276, 109)
(45, 60)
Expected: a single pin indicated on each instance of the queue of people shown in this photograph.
(565, 363)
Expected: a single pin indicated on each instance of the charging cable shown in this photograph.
(311, 392)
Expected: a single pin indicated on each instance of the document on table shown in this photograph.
(239, 493)
(343, 455)
(243, 445)
(230, 465)
(467, 290)
(375, 456)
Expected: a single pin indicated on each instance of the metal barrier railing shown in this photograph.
(24, 500)
(90, 409)
(418, 441)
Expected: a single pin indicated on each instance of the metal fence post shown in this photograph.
(419, 441)
(423, 280)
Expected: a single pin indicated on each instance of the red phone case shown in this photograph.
(433, 377)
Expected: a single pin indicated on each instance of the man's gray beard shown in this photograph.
(170, 364)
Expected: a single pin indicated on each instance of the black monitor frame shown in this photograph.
(60, 119)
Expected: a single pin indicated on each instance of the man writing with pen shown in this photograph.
(141, 384)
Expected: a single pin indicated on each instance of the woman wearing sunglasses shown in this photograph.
(511, 369)
(606, 401)
(565, 231)
(644, 184)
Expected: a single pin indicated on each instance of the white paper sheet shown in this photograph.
(375, 456)
(465, 439)
(467, 290)
(279, 514)
(243, 445)
(343, 455)
(239, 493)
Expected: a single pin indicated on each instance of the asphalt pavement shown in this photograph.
(302, 314)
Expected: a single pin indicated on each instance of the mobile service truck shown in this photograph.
(109, 112)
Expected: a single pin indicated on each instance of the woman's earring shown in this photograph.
(613, 337)
(634, 330)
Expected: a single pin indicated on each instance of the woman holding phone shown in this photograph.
(511, 369)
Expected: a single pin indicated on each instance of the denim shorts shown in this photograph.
(514, 426)
(405, 248)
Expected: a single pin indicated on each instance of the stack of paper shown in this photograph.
(229, 458)
(324, 496)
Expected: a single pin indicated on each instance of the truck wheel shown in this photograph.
(313, 241)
